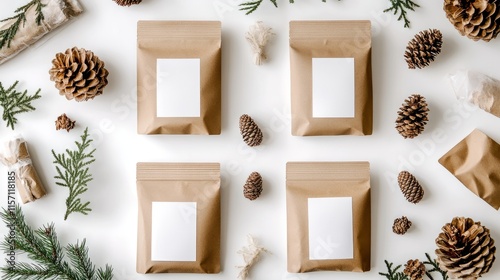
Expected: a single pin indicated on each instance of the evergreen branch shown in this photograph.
(8, 34)
(15, 102)
(393, 274)
(435, 268)
(401, 7)
(73, 173)
(47, 254)
(250, 6)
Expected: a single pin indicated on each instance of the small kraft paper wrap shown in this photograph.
(331, 78)
(55, 13)
(16, 157)
(475, 162)
(179, 77)
(328, 216)
(179, 218)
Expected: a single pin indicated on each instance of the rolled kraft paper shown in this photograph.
(477, 89)
(474, 161)
(28, 183)
(55, 13)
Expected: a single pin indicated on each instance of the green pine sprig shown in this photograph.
(393, 273)
(15, 102)
(250, 6)
(45, 251)
(402, 7)
(8, 34)
(73, 173)
(435, 268)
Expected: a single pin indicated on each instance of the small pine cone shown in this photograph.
(411, 188)
(423, 48)
(127, 2)
(63, 122)
(78, 74)
(401, 225)
(415, 270)
(253, 186)
(465, 249)
(478, 19)
(412, 116)
(252, 135)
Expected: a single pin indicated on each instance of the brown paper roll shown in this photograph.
(28, 183)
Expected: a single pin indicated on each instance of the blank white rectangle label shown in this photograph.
(333, 87)
(173, 231)
(178, 87)
(330, 228)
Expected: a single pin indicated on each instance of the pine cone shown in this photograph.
(63, 122)
(412, 116)
(414, 269)
(423, 48)
(465, 249)
(476, 19)
(401, 225)
(127, 2)
(252, 135)
(78, 74)
(411, 188)
(253, 186)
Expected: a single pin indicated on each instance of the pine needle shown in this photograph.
(401, 7)
(73, 173)
(8, 34)
(393, 273)
(250, 6)
(15, 102)
(45, 251)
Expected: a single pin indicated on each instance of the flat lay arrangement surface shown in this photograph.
(200, 139)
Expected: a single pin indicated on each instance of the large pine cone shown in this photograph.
(476, 19)
(423, 48)
(253, 186)
(465, 249)
(250, 131)
(401, 225)
(412, 116)
(411, 188)
(127, 2)
(415, 270)
(78, 74)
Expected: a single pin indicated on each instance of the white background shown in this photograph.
(263, 92)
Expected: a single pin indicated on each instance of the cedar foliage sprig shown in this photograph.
(73, 173)
(15, 102)
(8, 34)
(44, 249)
(250, 6)
(395, 274)
(435, 268)
(402, 7)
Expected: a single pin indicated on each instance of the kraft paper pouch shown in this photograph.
(16, 157)
(55, 13)
(475, 161)
(477, 89)
(179, 77)
(329, 216)
(331, 79)
(179, 218)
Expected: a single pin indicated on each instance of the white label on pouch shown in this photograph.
(333, 87)
(173, 231)
(330, 228)
(178, 87)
